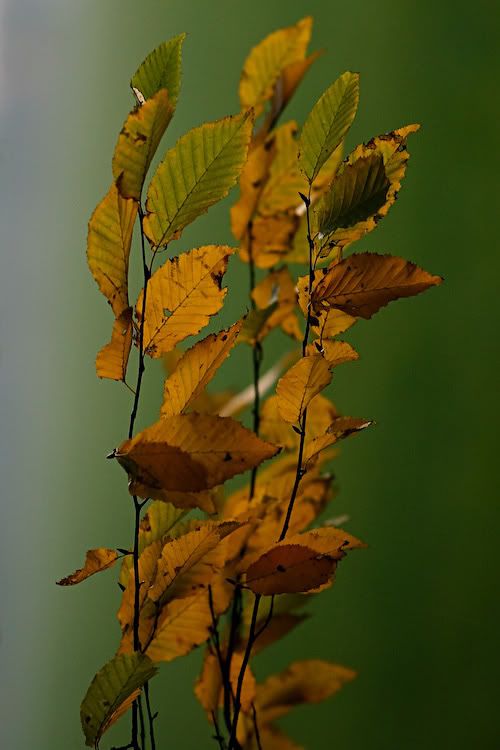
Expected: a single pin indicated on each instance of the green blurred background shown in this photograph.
(417, 613)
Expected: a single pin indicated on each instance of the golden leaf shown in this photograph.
(108, 247)
(269, 239)
(252, 180)
(192, 452)
(340, 428)
(148, 561)
(363, 283)
(112, 360)
(195, 369)
(96, 560)
(278, 283)
(182, 625)
(300, 384)
(299, 563)
(137, 143)
(320, 414)
(335, 352)
(181, 297)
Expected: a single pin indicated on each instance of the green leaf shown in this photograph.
(355, 195)
(111, 693)
(199, 171)
(137, 143)
(328, 122)
(160, 70)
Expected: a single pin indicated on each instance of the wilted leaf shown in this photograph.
(195, 369)
(341, 428)
(328, 122)
(108, 247)
(196, 173)
(95, 561)
(111, 361)
(363, 283)
(188, 562)
(335, 352)
(300, 563)
(111, 693)
(308, 681)
(161, 70)
(300, 384)
(192, 452)
(355, 195)
(137, 143)
(266, 62)
(181, 297)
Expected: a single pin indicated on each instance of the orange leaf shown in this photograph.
(112, 360)
(363, 283)
(181, 297)
(191, 452)
(96, 560)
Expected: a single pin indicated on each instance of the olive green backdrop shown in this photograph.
(417, 613)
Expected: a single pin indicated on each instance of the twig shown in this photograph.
(141, 722)
(151, 717)
(256, 727)
(218, 736)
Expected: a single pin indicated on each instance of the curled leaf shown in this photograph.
(96, 560)
(112, 360)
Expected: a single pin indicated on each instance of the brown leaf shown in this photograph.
(96, 560)
(191, 452)
(112, 360)
(363, 283)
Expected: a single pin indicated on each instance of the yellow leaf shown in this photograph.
(195, 369)
(108, 247)
(300, 384)
(111, 361)
(192, 452)
(308, 681)
(190, 561)
(95, 561)
(269, 240)
(341, 428)
(148, 562)
(320, 414)
(183, 625)
(300, 563)
(137, 143)
(278, 283)
(331, 322)
(205, 500)
(363, 283)
(181, 297)
(335, 352)
(268, 59)
(199, 171)
(252, 180)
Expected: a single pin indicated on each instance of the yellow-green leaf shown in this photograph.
(363, 283)
(108, 247)
(196, 173)
(181, 297)
(192, 452)
(137, 143)
(328, 122)
(268, 59)
(300, 384)
(195, 369)
(112, 692)
(111, 361)
(160, 70)
(96, 560)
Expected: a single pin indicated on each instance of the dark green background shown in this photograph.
(417, 613)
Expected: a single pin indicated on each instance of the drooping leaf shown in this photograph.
(267, 61)
(300, 563)
(196, 368)
(181, 297)
(335, 352)
(161, 70)
(328, 122)
(280, 284)
(108, 247)
(308, 681)
(355, 195)
(363, 283)
(340, 428)
(300, 384)
(285, 87)
(112, 360)
(112, 692)
(95, 561)
(137, 143)
(190, 561)
(196, 173)
(192, 452)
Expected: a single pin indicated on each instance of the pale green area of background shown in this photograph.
(417, 613)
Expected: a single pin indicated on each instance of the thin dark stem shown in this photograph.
(226, 679)
(142, 723)
(137, 603)
(151, 717)
(134, 742)
(257, 360)
(256, 727)
(218, 736)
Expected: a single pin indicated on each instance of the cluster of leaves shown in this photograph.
(236, 577)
